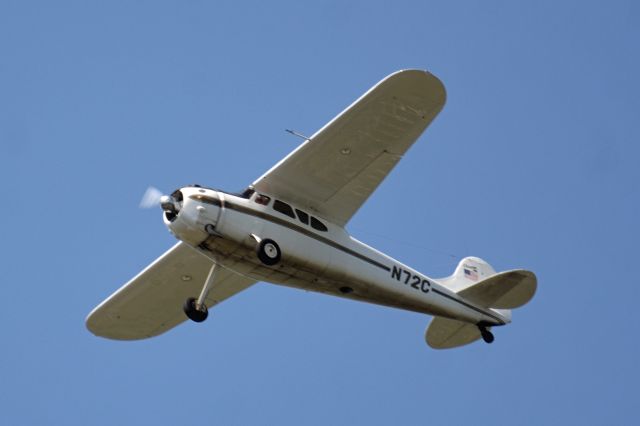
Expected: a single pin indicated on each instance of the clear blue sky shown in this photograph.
(532, 163)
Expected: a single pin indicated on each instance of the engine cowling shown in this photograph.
(191, 214)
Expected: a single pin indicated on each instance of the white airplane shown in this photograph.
(288, 228)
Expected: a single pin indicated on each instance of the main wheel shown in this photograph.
(487, 336)
(268, 252)
(192, 312)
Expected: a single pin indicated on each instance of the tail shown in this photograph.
(469, 271)
(476, 281)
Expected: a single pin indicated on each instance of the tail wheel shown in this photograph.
(487, 336)
(268, 252)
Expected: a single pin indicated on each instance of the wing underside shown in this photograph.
(151, 303)
(337, 169)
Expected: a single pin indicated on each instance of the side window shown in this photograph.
(283, 208)
(262, 199)
(304, 218)
(316, 224)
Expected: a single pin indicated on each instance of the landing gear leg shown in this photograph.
(487, 336)
(196, 309)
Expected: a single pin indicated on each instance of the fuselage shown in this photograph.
(316, 255)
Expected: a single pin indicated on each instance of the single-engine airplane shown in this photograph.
(288, 228)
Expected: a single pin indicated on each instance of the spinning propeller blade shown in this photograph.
(151, 198)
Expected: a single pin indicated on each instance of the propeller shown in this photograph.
(151, 198)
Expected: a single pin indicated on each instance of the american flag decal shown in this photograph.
(471, 273)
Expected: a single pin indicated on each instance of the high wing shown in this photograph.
(151, 303)
(338, 168)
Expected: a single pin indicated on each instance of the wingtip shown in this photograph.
(95, 324)
(424, 79)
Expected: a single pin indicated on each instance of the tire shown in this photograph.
(487, 336)
(192, 312)
(268, 252)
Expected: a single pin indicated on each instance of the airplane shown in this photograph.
(288, 228)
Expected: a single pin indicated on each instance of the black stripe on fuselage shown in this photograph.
(468, 305)
(246, 210)
(304, 231)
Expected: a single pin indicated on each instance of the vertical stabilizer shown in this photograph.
(469, 271)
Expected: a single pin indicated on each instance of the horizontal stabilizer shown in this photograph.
(445, 333)
(506, 290)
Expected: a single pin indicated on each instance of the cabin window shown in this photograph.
(262, 199)
(283, 208)
(316, 224)
(303, 217)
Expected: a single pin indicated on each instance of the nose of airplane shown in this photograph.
(171, 205)
(166, 202)
(183, 216)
